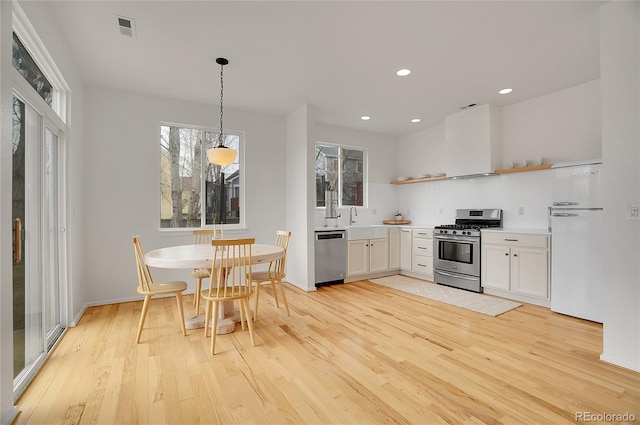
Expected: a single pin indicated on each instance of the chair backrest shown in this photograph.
(282, 240)
(144, 275)
(204, 236)
(231, 265)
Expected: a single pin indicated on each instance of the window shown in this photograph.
(185, 174)
(29, 69)
(342, 170)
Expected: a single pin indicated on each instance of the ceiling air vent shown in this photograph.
(127, 26)
(471, 105)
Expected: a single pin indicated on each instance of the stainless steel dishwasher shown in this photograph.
(330, 256)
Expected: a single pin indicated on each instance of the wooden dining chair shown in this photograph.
(274, 275)
(201, 236)
(149, 288)
(230, 280)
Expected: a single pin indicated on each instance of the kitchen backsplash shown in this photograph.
(523, 197)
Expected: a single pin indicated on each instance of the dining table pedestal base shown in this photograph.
(226, 321)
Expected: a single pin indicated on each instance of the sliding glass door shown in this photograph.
(36, 275)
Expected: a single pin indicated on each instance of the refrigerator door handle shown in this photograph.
(555, 214)
(564, 204)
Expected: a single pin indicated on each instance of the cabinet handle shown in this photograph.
(506, 253)
(515, 255)
(421, 247)
(422, 265)
(511, 240)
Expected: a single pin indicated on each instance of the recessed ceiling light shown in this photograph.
(403, 72)
(365, 118)
(505, 91)
(416, 120)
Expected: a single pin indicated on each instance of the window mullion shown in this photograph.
(203, 182)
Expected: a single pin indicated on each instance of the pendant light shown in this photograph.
(221, 155)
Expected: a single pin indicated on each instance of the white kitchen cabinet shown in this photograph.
(516, 265)
(394, 248)
(366, 256)
(405, 249)
(422, 252)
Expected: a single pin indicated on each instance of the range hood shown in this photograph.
(473, 142)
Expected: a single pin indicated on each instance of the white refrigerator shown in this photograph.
(576, 225)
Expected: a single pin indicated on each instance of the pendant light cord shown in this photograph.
(221, 112)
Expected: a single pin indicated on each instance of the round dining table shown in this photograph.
(200, 256)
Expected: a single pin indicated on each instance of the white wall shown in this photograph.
(300, 190)
(382, 165)
(122, 183)
(620, 75)
(561, 126)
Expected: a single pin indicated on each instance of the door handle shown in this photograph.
(455, 275)
(17, 240)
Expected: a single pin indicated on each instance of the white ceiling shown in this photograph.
(339, 56)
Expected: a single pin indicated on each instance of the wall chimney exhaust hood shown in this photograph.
(473, 142)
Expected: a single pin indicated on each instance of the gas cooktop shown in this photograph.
(469, 222)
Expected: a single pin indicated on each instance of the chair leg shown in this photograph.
(207, 317)
(143, 316)
(244, 304)
(275, 293)
(181, 311)
(284, 296)
(241, 311)
(214, 326)
(255, 310)
(196, 295)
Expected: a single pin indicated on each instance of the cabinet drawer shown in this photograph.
(422, 264)
(423, 247)
(516, 239)
(422, 233)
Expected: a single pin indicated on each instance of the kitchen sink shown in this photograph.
(374, 231)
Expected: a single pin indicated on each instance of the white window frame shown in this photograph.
(36, 48)
(365, 174)
(241, 163)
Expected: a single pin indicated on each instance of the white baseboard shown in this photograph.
(622, 363)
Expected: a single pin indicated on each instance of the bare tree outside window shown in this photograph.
(186, 175)
(340, 169)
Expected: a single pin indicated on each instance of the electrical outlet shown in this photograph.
(633, 211)
(374, 211)
(520, 210)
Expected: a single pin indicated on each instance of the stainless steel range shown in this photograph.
(457, 248)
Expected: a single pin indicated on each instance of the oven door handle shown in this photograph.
(445, 238)
(456, 275)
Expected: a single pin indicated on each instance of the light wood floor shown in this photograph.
(356, 353)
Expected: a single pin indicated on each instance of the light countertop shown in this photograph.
(514, 230)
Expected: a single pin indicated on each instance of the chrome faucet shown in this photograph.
(352, 212)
